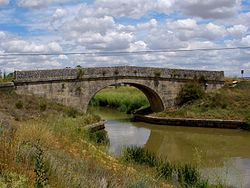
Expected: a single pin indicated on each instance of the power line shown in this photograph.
(121, 53)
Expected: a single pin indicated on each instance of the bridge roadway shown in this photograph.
(76, 87)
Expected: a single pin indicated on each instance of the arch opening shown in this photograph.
(155, 102)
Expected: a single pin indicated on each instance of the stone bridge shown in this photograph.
(76, 87)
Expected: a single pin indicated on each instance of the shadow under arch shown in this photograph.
(155, 101)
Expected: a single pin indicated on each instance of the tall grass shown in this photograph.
(124, 98)
(186, 176)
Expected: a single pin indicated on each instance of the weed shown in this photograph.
(188, 174)
(98, 137)
(19, 104)
(40, 169)
(165, 170)
(12, 179)
(80, 72)
(116, 72)
(72, 112)
(140, 155)
(157, 73)
(42, 106)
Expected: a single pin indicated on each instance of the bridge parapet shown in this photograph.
(119, 72)
(76, 87)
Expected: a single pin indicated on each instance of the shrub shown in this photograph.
(246, 126)
(19, 105)
(43, 106)
(72, 112)
(98, 137)
(190, 92)
(218, 100)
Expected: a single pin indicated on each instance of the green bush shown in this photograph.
(190, 92)
(99, 137)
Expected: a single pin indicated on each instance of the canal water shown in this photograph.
(223, 155)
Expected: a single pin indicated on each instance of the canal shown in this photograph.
(223, 155)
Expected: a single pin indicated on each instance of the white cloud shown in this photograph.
(210, 8)
(38, 3)
(237, 30)
(104, 25)
(148, 25)
(189, 24)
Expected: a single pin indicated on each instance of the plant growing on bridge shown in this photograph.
(116, 72)
(80, 73)
(104, 73)
(157, 73)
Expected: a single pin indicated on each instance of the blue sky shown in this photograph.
(57, 26)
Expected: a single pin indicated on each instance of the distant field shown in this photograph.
(123, 98)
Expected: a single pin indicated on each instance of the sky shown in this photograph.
(59, 26)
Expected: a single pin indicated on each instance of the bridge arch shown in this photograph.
(155, 100)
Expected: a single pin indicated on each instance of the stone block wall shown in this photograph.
(123, 71)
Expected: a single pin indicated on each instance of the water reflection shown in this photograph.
(122, 134)
(223, 154)
(235, 172)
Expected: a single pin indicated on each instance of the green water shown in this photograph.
(222, 154)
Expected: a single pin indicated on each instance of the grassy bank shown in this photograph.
(226, 103)
(124, 98)
(44, 144)
(179, 175)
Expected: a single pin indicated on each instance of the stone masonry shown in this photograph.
(76, 87)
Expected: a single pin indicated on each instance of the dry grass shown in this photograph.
(226, 103)
(68, 158)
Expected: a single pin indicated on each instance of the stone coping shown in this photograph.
(96, 126)
(122, 71)
(190, 122)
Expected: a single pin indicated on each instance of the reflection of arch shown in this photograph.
(155, 101)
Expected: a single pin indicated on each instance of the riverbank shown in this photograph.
(192, 122)
(44, 144)
(232, 102)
